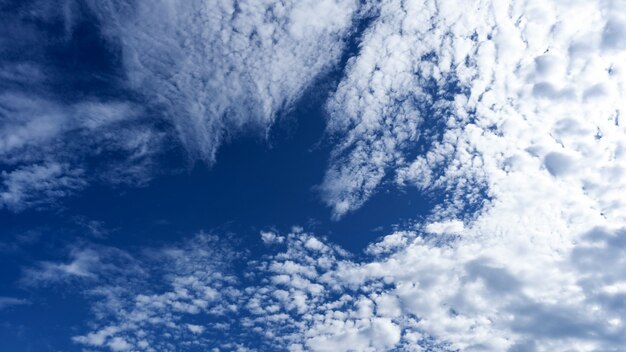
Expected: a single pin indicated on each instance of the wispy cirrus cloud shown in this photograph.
(38, 184)
(6, 302)
(54, 119)
(46, 146)
(194, 72)
(222, 67)
(432, 82)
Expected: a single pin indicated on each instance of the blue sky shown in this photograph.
(333, 175)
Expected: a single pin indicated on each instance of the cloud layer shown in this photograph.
(194, 73)
(523, 290)
(56, 116)
(512, 110)
(527, 99)
(220, 67)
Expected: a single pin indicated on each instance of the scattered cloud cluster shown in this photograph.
(47, 148)
(447, 293)
(523, 289)
(511, 109)
(37, 184)
(445, 97)
(182, 296)
(54, 120)
(6, 302)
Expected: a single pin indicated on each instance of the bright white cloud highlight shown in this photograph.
(475, 90)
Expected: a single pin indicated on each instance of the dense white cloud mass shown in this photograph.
(503, 83)
(221, 66)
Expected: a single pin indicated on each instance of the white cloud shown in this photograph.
(38, 184)
(166, 304)
(6, 302)
(212, 69)
(196, 329)
(85, 263)
(534, 285)
(270, 237)
(533, 131)
(475, 292)
(45, 146)
(449, 227)
(119, 344)
(31, 122)
(220, 67)
(494, 79)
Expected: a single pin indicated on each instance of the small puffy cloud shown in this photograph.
(196, 329)
(119, 344)
(45, 146)
(84, 263)
(450, 227)
(269, 237)
(314, 244)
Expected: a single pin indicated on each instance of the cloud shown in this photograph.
(38, 184)
(89, 263)
(200, 71)
(539, 285)
(185, 295)
(512, 110)
(436, 92)
(474, 292)
(56, 118)
(219, 68)
(30, 122)
(6, 302)
(45, 148)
